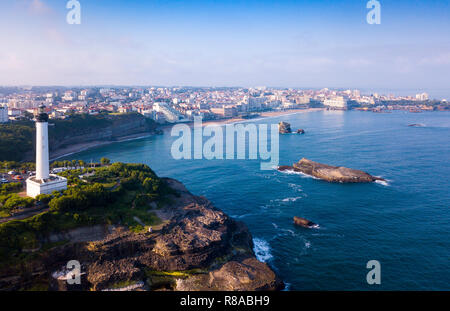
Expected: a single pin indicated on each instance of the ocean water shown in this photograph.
(403, 223)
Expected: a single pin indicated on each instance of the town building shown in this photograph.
(336, 102)
(4, 114)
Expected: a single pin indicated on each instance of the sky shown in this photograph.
(227, 43)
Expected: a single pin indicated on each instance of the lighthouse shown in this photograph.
(43, 182)
(42, 171)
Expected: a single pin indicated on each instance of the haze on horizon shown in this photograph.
(228, 43)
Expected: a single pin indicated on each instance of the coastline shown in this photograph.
(63, 152)
(264, 115)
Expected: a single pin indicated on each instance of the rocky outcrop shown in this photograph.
(198, 247)
(247, 274)
(284, 128)
(305, 223)
(330, 173)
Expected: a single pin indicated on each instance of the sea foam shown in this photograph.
(382, 182)
(262, 249)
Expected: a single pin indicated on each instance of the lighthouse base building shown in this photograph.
(43, 182)
(36, 187)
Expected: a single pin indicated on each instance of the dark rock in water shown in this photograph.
(330, 173)
(305, 223)
(300, 131)
(284, 128)
(282, 168)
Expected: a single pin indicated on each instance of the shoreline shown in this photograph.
(67, 151)
(63, 152)
(263, 115)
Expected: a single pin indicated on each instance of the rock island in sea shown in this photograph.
(129, 230)
(330, 173)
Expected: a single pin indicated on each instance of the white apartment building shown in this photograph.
(3, 114)
(422, 96)
(336, 102)
(169, 113)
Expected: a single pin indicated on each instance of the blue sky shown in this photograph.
(227, 43)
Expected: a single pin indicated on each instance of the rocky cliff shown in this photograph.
(198, 247)
(82, 130)
(116, 127)
(330, 173)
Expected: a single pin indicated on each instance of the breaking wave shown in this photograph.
(382, 182)
(262, 249)
(291, 199)
(292, 172)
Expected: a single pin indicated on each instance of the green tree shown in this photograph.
(105, 161)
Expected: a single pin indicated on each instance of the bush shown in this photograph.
(44, 198)
(14, 202)
(11, 187)
(105, 161)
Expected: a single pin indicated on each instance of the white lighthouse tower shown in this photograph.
(43, 182)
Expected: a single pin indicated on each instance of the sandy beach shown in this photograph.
(268, 114)
(63, 152)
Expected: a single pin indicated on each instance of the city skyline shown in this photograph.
(300, 44)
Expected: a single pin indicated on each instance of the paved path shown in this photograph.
(25, 214)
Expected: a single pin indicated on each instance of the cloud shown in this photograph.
(38, 7)
(437, 60)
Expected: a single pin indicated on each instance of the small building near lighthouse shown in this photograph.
(43, 182)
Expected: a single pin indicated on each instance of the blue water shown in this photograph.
(404, 224)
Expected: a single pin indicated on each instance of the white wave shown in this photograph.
(291, 199)
(262, 249)
(275, 225)
(382, 182)
(295, 187)
(291, 172)
(307, 244)
(287, 286)
(308, 176)
(303, 175)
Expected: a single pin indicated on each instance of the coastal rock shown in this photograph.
(330, 173)
(284, 128)
(305, 223)
(246, 275)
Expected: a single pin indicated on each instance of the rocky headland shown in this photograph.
(330, 173)
(196, 247)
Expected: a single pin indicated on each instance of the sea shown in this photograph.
(403, 223)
